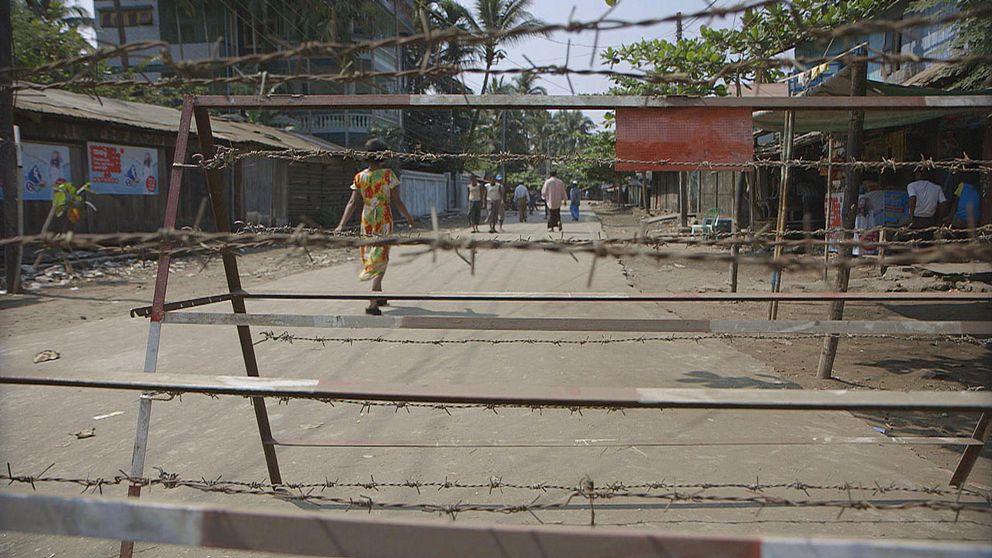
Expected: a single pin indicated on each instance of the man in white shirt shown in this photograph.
(554, 196)
(521, 196)
(926, 203)
(494, 195)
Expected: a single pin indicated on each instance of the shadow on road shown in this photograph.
(418, 311)
(708, 379)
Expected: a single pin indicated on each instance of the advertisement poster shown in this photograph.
(122, 169)
(43, 167)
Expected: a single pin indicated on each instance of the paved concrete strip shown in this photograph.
(567, 396)
(853, 327)
(316, 534)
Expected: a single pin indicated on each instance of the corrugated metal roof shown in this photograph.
(156, 118)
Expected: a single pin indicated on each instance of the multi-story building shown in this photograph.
(203, 29)
(932, 41)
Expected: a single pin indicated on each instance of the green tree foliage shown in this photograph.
(719, 58)
(973, 36)
(46, 32)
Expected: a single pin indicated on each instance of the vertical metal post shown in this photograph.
(828, 206)
(735, 229)
(853, 150)
(8, 154)
(783, 207)
(683, 202)
(158, 308)
(971, 453)
(216, 192)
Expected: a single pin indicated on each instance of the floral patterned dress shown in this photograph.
(377, 217)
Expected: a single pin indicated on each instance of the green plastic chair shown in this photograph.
(710, 219)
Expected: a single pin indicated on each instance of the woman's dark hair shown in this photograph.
(376, 144)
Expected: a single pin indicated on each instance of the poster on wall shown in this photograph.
(43, 167)
(122, 169)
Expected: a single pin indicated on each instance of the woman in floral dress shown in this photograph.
(378, 188)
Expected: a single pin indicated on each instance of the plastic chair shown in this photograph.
(710, 220)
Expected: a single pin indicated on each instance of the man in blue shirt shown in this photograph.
(574, 196)
(966, 210)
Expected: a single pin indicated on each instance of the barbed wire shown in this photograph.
(188, 71)
(287, 337)
(180, 242)
(859, 496)
(83, 80)
(225, 156)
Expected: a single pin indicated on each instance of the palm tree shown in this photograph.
(500, 16)
(568, 131)
(492, 18)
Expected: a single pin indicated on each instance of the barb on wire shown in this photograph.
(287, 337)
(191, 242)
(859, 496)
(187, 70)
(225, 156)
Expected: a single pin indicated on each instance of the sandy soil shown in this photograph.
(862, 363)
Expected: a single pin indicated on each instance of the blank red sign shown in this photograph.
(700, 138)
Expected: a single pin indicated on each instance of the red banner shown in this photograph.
(707, 138)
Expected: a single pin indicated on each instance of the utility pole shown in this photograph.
(678, 26)
(502, 132)
(853, 149)
(8, 154)
(121, 34)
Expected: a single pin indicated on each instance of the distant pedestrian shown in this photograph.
(474, 203)
(926, 202)
(494, 195)
(522, 196)
(378, 188)
(554, 196)
(574, 196)
(502, 199)
(966, 210)
(534, 196)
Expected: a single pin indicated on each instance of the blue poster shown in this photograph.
(42, 167)
(123, 170)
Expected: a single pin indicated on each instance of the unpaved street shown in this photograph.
(203, 437)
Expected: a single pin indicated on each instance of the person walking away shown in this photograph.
(522, 196)
(494, 195)
(378, 188)
(926, 203)
(474, 203)
(554, 196)
(502, 200)
(966, 210)
(574, 197)
(532, 204)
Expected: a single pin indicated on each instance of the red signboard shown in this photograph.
(699, 138)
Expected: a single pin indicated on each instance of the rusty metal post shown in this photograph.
(158, 307)
(971, 453)
(217, 204)
(853, 150)
(788, 136)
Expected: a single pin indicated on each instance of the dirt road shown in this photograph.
(203, 437)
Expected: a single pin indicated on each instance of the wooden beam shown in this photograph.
(362, 536)
(587, 102)
(567, 396)
(613, 325)
(930, 296)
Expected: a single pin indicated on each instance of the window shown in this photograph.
(130, 17)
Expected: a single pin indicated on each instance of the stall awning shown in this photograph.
(839, 85)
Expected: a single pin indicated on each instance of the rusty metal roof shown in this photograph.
(157, 118)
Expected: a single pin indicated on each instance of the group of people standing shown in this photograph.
(493, 193)
(928, 205)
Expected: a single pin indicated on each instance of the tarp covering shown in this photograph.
(839, 85)
(676, 134)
